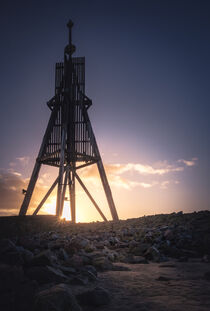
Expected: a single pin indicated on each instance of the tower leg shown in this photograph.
(30, 189)
(102, 173)
(61, 171)
(35, 173)
(90, 197)
(45, 197)
(64, 191)
(107, 190)
(72, 196)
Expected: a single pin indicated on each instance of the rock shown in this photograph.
(9, 253)
(169, 235)
(10, 277)
(54, 236)
(91, 276)
(99, 245)
(24, 295)
(62, 254)
(56, 244)
(163, 279)
(67, 270)
(135, 259)
(78, 243)
(45, 274)
(171, 251)
(90, 248)
(120, 268)
(29, 243)
(153, 254)
(139, 259)
(56, 298)
(140, 249)
(12, 258)
(206, 258)
(179, 213)
(7, 301)
(78, 280)
(95, 297)
(113, 240)
(45, 258)
(102, 263)
(89, 272)
(77, 261)
(26, 254)
(207, 276)
(167, 266)
(6, 245)
(91, 269)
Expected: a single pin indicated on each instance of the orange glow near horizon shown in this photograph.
(86, 214)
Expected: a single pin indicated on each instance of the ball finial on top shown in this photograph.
(70, 24)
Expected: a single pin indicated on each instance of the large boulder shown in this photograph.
(102, 263)
(10, 277)
(45, 274)
(44, 258)
(9, 253)
(95, 297)
(56, 298)
(153, 254)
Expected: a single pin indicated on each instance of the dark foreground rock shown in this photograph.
(56, 298)
(35, 260)
(95, 297)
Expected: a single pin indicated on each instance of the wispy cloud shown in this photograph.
(20, 161)
(191, 162)
(145, 169)
(11, 185)
(23, 160)
(118, 173)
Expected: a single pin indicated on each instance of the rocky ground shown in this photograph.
(159, 262)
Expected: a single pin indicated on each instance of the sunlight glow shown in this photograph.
(50, 206)
(66, 211)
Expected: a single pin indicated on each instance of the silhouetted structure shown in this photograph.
(69, 142)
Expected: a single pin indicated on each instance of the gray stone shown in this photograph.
(120, 268)
(67, 270)
(26, 254)
(9, 253)
(45, 274)
(10, 277)
(62, 254)
(81, 280)
(169, 234)
(163, 279)
(153, 254)
(102, 263)
(207, 276)
(56, 298)
(6, 245)
(12, 258)
(95, 297)
(45, 258)
(24, 295)
(140, 249)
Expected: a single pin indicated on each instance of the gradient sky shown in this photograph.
(147, 72)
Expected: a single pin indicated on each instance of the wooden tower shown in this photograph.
(69, 142)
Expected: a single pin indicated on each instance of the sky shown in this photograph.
(147, 73)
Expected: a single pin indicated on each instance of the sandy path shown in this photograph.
(138, 289)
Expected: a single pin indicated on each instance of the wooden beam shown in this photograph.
(35, 173)
(45, 197)
(90, 196)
